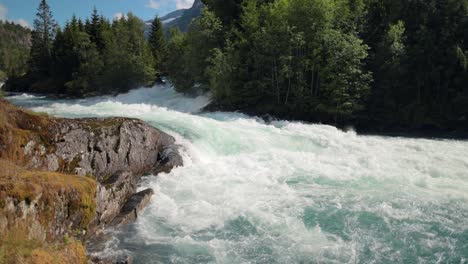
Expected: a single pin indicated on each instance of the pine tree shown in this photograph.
(95, 29)
(42, 38)
(127, 56)
(158, 45)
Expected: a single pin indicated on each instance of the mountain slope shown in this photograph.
(15, 41)
(173, 15)
(184, 21)
(180, 19)
(166, 19)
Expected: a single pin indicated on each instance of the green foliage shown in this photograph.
(278, 57)
(204, 34)
(189, 53)
(3, 76)
(394, 39)
(84, 78)
(419, 59)
(14, 49)
(76, 59)
(346, 82)
(175, 64)
(228, 11)
(42, 39)
(95, 29)
(222, 75)
(397, 63)
(158, 44)
(128, 58)
(90, 58)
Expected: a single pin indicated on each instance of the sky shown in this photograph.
(23, 12)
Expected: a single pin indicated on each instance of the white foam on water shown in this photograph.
(25, 96)
(287, 192)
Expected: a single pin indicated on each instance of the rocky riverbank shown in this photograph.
(62, 181)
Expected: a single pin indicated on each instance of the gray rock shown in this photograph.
(132, 207)
(125, 259)
(168, 159)
(119, 145)
(112, 194)
(116, 151)
(52, 162)
(29, 147)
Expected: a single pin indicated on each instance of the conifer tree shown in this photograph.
(42, 39)
(95, 29)
(158, 45)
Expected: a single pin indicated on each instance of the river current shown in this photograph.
(286, 192)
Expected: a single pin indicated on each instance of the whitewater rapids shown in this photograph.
(286, 192)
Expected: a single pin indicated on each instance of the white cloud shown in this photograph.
(23, 22)
(3, 16)
(3, 12)
(183, 4)
(119, 15)
(180, 4)
(153, 4)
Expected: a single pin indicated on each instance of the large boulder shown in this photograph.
(117, 152)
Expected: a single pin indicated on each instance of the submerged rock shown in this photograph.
(130, 210)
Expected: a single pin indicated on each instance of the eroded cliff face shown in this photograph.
(98, 163)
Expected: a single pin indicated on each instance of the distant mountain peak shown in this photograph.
(180, 18)
(198, 3)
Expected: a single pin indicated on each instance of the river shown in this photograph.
(286, 192)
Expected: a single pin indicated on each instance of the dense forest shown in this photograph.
(368, 63)
(14, 49)
(396, 63)
(90, 57)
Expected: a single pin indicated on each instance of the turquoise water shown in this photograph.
(287, 192)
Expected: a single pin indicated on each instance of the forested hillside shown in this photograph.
(15, 41)
(84, 58)
(397, 63)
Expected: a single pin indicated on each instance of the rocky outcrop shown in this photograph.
(104, 147)
(115, 152)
